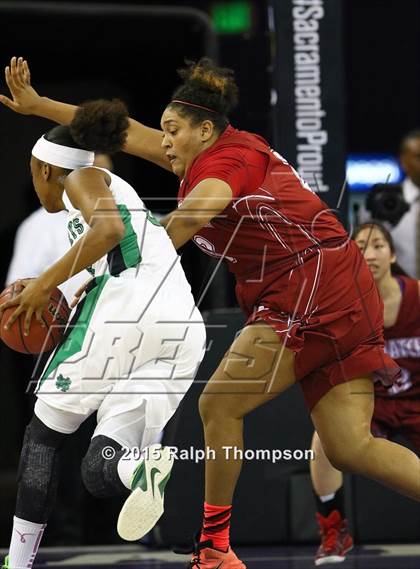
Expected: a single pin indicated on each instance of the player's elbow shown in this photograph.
(117, 231)
(113, 232)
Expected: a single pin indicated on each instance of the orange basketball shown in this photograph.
(55, 317)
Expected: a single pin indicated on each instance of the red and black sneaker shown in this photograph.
(336, 539)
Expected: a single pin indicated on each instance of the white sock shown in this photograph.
(26, 537)
(327, 498)
(126, 467)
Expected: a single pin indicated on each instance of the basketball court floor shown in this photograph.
(139, 557)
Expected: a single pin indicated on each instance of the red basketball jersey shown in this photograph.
(402, 343)
(274, 221)
(294, 264)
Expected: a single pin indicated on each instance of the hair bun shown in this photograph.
(206, 74)
(208, 85)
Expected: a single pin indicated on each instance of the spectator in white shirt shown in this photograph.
(406, 234)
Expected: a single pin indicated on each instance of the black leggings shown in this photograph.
(39, 471)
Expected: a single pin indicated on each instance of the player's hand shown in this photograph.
(18, 78)
(32, 300)
(23, 282)
(79, 293)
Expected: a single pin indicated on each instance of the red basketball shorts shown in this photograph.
(329, 312)
(397, 416)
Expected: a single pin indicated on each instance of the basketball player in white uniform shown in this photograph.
(132, 347)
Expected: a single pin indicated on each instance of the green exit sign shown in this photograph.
(232, 17)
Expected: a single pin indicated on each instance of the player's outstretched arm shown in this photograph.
(142, 140)
(207, 200)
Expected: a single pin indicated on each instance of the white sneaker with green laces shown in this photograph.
(144, 506)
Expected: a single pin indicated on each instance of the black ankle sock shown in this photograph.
(337, 503)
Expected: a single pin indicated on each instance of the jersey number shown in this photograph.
(75, 228)
(298, 176)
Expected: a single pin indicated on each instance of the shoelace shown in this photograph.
(329, 538)
(195, 550)
(195, 562)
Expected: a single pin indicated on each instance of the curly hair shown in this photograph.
(208, 86)
(61, 135)
(100, 126)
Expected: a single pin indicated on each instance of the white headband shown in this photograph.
(63, 156)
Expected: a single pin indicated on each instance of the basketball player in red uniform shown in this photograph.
(314, 312)
(397, 409)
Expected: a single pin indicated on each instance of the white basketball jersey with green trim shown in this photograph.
(136, 339)
(145, 247)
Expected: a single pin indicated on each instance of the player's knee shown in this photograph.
(99, 468)
(210, 408)
(339, 459)
(38, 471)
(92, 471)
(204, 408)
(39, 440)
(348, 456)
(215, 407)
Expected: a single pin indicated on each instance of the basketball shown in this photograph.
(40, 339)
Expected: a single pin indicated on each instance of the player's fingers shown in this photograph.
(8, 102)
(27, 72)
(15, 300)
(2, 309)
(13, 72)
(28, 318)
(16, 73)
(13, 317)
(21, 72)
(79, 293)
(10, 80)
(38, 316)
(12, 83)
(76, 299)
(17, 289)
(23, 282)
(8, 76)
(7, 304)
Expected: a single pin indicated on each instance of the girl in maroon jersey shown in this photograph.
(397, 408)
(314, 313)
